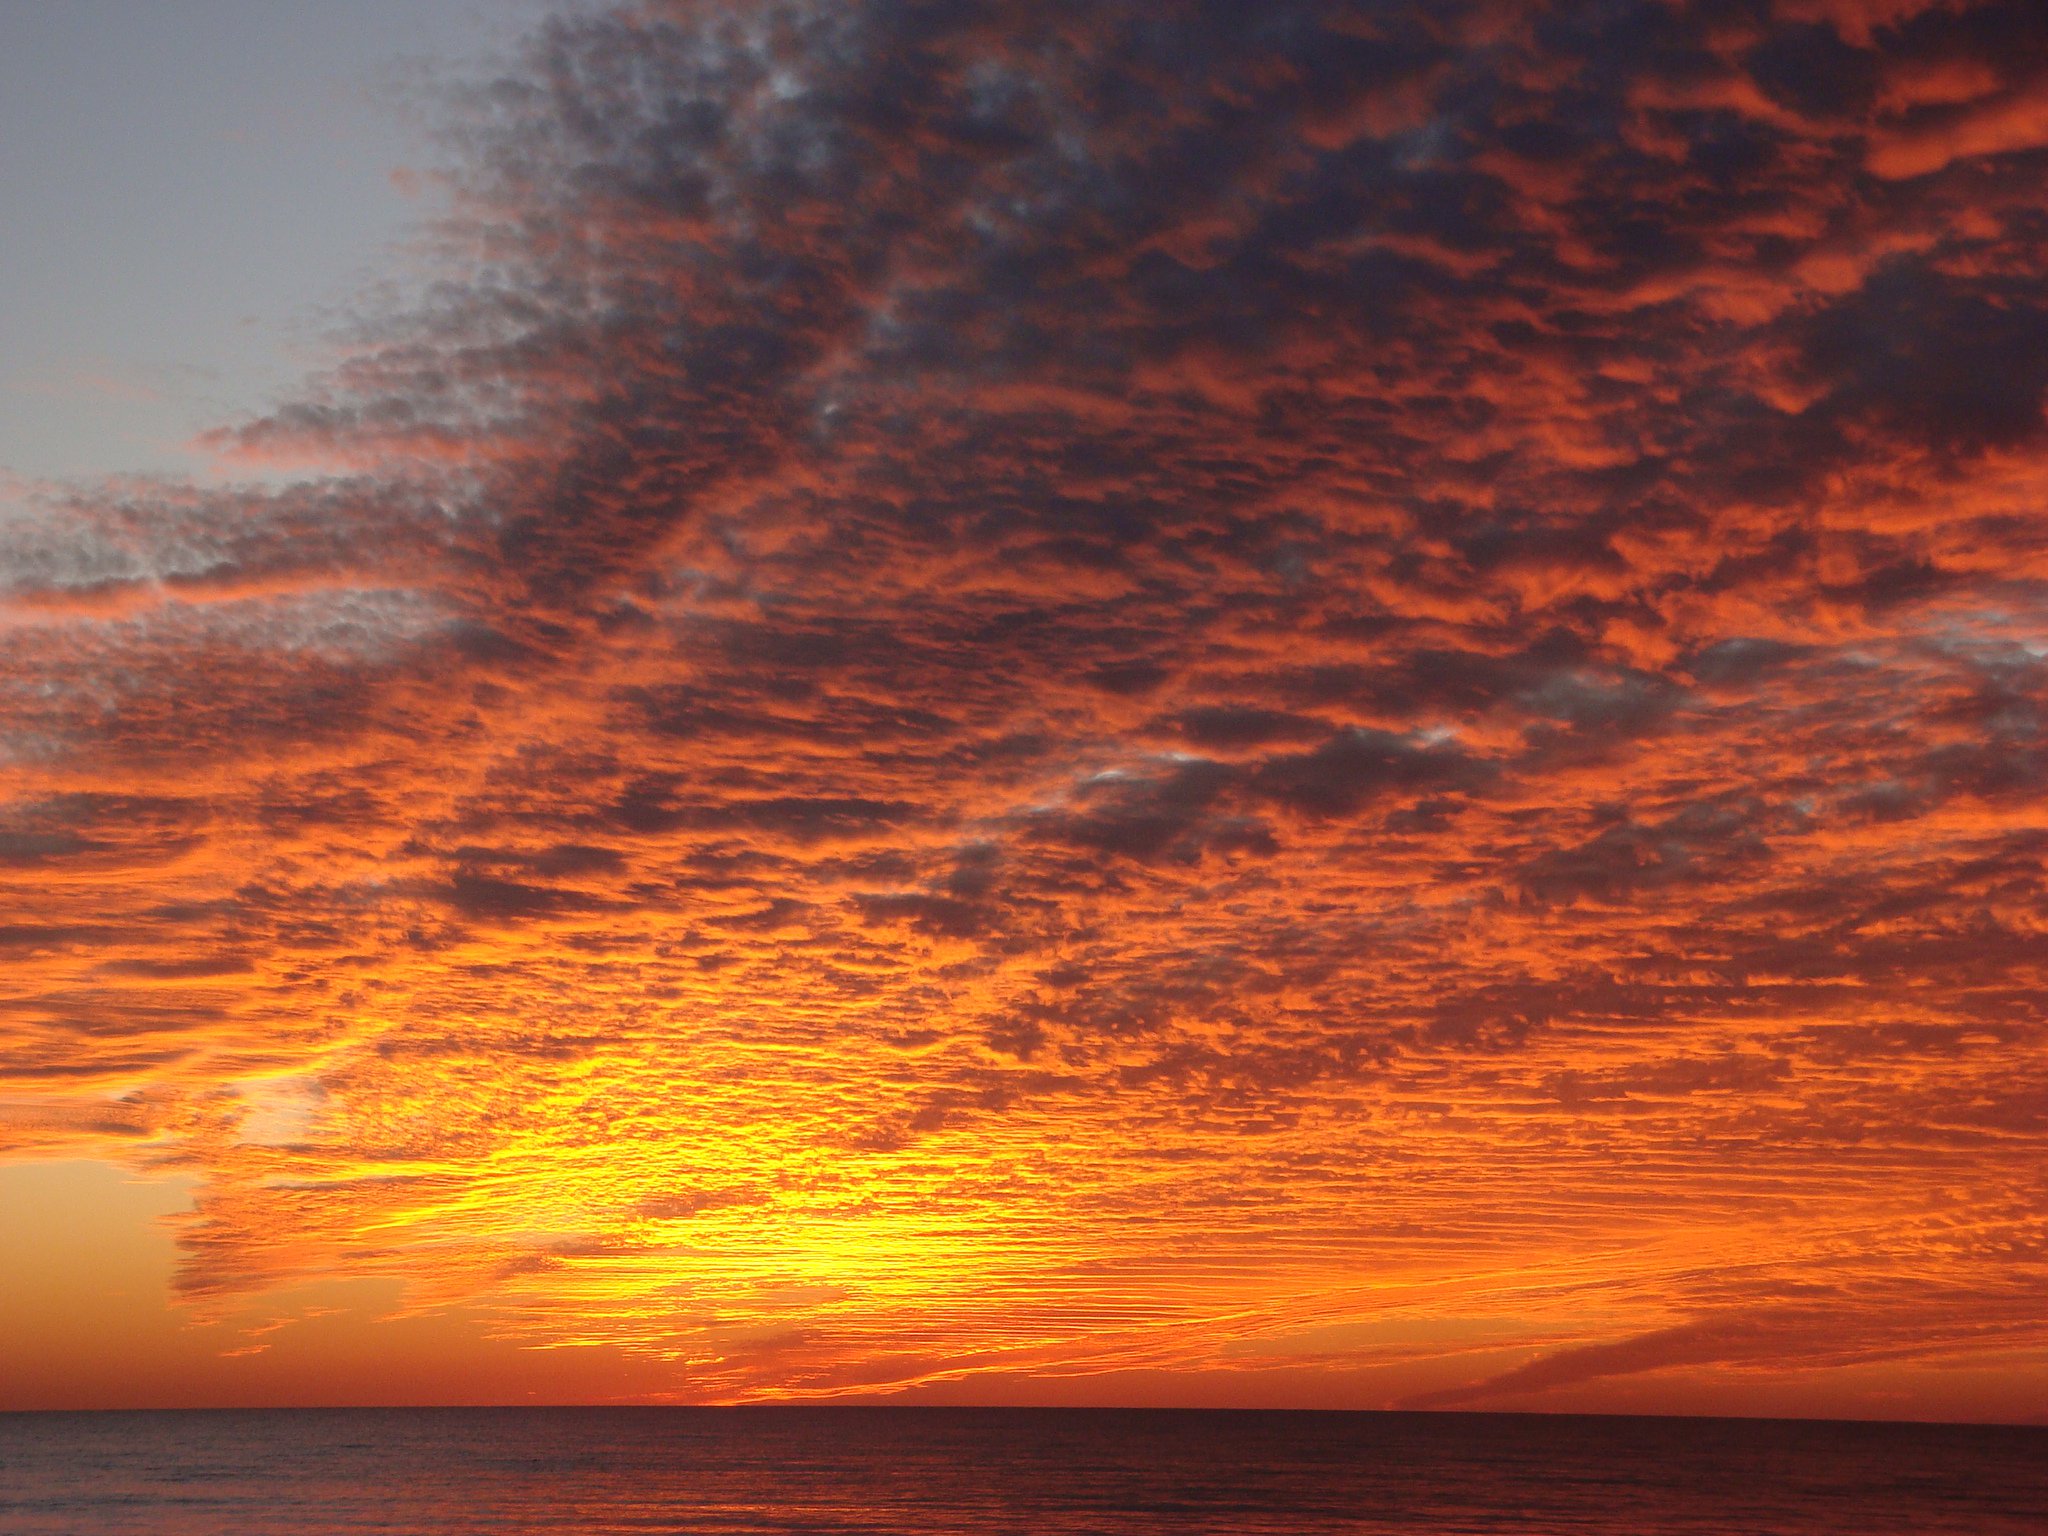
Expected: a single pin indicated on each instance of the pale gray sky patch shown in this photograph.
(192, 190)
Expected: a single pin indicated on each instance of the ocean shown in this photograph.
(933, 1472)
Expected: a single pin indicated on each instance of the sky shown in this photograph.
(194, 190)
(1317, 704)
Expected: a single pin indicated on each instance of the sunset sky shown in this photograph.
(1140, 701)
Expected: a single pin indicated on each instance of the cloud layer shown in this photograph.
(1065, 688)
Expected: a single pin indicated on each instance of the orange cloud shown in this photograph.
(1000, 700)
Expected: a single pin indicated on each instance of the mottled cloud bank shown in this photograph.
(1067, 688)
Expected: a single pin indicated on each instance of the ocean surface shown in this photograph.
(577, 1472)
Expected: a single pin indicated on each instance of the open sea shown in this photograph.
(582, 1471)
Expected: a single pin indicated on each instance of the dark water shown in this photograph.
(579, 1471)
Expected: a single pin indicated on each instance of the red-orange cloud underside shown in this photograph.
(1305, 702)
